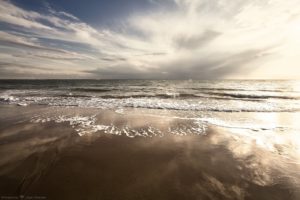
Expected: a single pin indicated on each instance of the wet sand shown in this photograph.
(51, 161)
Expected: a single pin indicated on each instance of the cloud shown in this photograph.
(10, 70)
(28, 48)
(27, 70)
(202, 39)
(209, 68)
(193, 42)
(17, 16)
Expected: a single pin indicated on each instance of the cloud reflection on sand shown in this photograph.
(221, 163)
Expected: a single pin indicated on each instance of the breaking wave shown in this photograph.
(87, 125)
(217, 105)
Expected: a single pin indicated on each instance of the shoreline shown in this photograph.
(50, 160)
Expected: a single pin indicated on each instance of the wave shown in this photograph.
(156, 103)
(88, 125)
(106, 93)
(161, 96)
(92, 89)
(241, 89)
(238, 125)
(184, 126)
(252, 96)
(72, 95)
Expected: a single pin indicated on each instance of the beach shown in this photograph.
(149, 100)
(49, 159)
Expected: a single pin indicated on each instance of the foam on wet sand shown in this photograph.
(68, 153)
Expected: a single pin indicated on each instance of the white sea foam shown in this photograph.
(22, 104)
(81, 124)
(236, 124)
(8, 98)
(88, 125)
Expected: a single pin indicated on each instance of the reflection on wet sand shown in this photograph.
(50, 160)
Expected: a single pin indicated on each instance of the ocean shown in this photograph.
(215, 96)
(199, 100)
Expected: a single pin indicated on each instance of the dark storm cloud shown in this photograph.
(195, 41)
(18, 70)
(122, 72)
(23, 71)
(203, 68)
(13, 74)
(215, 68)
(7, 66)
(112, 59)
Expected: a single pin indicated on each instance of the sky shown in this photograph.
(150, 39)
